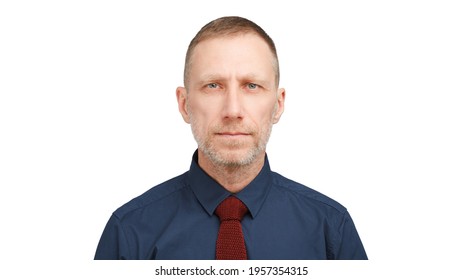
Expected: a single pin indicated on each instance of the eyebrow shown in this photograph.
(246, 77)
(210, 77)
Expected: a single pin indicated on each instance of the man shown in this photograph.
(231, 100)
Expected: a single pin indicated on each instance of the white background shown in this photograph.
(373, 119)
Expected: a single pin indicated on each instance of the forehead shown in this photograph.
(239, 52)
(248, 40)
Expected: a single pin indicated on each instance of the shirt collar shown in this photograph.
(210, 193)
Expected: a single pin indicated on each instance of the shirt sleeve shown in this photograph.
(350, 246)
(113, 242)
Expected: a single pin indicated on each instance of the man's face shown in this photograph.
(232, 99)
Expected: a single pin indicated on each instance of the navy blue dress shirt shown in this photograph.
(176, 220)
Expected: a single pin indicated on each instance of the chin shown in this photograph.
(235, 157)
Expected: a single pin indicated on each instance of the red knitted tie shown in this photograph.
(230, 241)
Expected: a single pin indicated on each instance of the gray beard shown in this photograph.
(218, 159)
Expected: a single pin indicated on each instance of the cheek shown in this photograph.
(202, 114)
(263, 113)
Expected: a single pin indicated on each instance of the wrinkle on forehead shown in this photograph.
(212, 44)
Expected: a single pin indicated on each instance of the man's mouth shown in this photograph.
(233, 134)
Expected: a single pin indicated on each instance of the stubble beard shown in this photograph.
(230, 158)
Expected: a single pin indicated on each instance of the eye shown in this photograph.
(252, 86)
(212, 85)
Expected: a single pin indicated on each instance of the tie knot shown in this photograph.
(231, 209)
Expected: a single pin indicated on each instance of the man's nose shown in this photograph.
(233, 107)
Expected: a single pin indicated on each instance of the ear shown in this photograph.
(281, 95)
(182, 103)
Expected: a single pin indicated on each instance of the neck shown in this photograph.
(233, 178)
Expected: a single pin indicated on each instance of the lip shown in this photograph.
(232, 133)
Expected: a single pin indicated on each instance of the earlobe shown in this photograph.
(182, 103)
(280, 105)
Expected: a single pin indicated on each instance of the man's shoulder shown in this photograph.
(306, 193)
(156, 194)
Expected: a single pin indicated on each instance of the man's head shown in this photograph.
(227, 27)
(231, 96)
